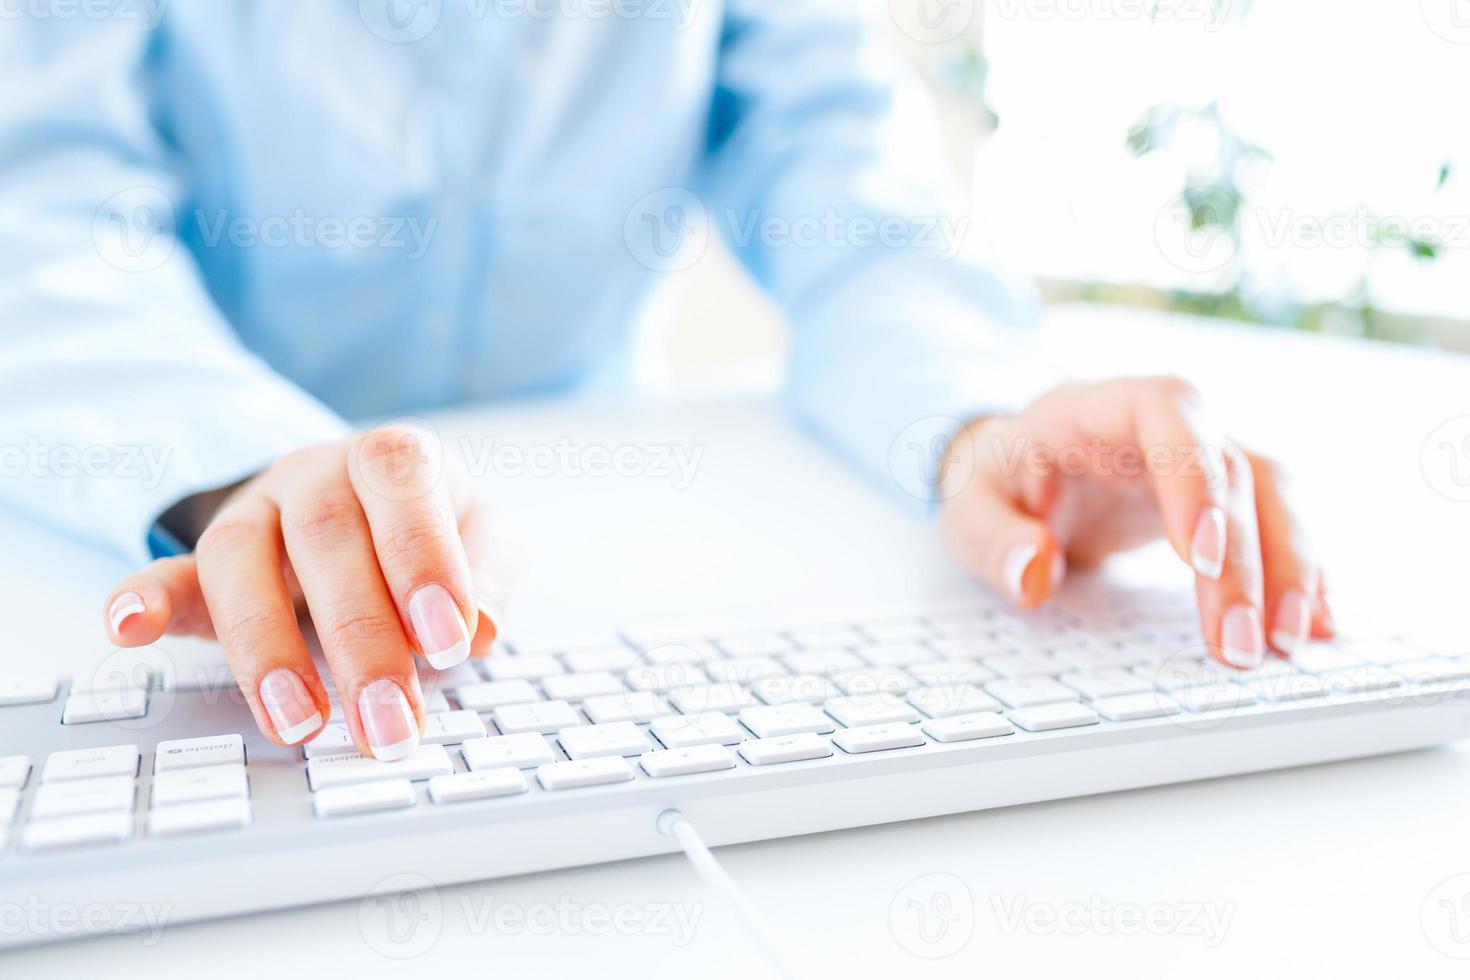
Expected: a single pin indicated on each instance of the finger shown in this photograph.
(239, 561)
(1290, 573)
(989, 535)
(163, 597)
(1230, 606)
(1324, 627)
(397, 474)
(331, 550)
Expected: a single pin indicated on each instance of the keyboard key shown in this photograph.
(873, 680)
(1318, 658)
(1025, 665)
(334, 739)
(786, 689)
(1136, 707)
(1107, 683)
(877, 738)
(386, 794)
(195, 785)
(1049, 717)
(1186, 672)
(115, 704)
(542, 717)
(950, 700)
(517, 751)
(636, 706)
(1356, 680)
(742, 670)
(210, 750)
(1427, 671)
(821, 661)
(614, 660)
(695, 652)
(686, 731)
(897, 630)
(895, 654)
(1026, 692)
(111, 827)
(817, 637)
(869, 710)
(487, 784)
(1213, 697)
(711, 697)
(489, 695)
(661, 678)
(595, 741)
(1095, 658)
(584, 772)
(767, 721)
(435, 701)
(943, 673)
(578, 687)
(199, 818)
(9, 807)
(328, 771)
(110, 760)
(27, 689)
(452, 727)
(13, 770)
(972, 646)
(964, 728)
(1289, 687)
(788, 748)
(77, 796)
(755, 645)
(687, 761)
(521, 668)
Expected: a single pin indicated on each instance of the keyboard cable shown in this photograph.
(674, 824)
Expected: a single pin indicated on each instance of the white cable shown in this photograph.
(674, 824)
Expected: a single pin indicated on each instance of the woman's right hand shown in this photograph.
(378, 539)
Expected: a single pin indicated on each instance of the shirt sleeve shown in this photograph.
(122, 388)
(826, 176)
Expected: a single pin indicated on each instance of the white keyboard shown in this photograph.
(124, 783)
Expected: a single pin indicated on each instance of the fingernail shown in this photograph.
(439, 627)
(1240, 638)
(1207, 549)
(289, 705)
(125, 605)
(387, 720)
(1017, 561)
(1293, 621)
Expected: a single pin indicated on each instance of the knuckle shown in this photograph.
(413, 541)
(324, 514)
(1176, 389)
(252, 629)
(226, 535)
(397, 446)
(357, 630)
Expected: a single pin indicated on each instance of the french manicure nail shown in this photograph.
(1013, 571)
(439, 627)
(289, 705)
(1207, 548)
(126, 605)
(1293, 621)
(1241, 640)
(387, 720)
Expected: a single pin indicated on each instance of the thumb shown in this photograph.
(989, 535)
(162, 597)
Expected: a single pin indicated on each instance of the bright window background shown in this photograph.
(1359, 107)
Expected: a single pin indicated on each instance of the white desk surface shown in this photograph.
(1330, 870)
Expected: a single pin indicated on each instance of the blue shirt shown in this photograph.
(230, 227)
